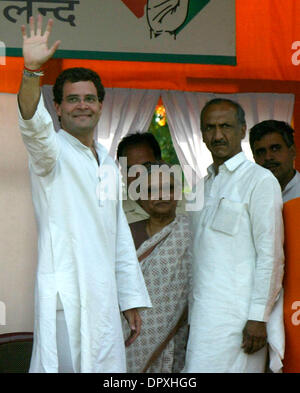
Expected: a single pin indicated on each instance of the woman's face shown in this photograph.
(160, 200)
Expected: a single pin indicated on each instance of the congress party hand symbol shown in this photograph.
(166, 15)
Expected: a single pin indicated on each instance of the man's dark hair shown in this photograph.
(240, 113)
(139, 138)
(269, 126)
(77, 74)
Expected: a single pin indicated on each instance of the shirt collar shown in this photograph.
(292, 182)
(231, 165)
(74, 141)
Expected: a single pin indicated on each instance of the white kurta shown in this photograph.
(237, 265)
(85, 251)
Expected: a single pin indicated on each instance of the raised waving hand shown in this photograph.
(35, 53)
(35, 44)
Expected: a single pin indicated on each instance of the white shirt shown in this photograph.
(85, 251)
(292, 189)
(237, 262)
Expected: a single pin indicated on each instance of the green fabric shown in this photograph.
(15, 357)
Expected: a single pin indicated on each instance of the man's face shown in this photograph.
(222, 133)
(272, 153)
(80, 108)
(138, 155)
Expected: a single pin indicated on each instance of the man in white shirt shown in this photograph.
(237, 252)
(273, 147)
(87, 268)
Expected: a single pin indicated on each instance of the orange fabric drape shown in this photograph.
(291, 284)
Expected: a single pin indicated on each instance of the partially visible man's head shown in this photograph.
(77, 74)
(139, 139)
(223, 127)
(272, 145)
(138, 149)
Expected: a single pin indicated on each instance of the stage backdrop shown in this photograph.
(186, 31)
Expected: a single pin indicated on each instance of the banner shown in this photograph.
(180, 31)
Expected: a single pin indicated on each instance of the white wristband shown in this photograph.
(33, 74)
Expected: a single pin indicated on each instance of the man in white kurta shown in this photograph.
(273, 147)
(87, 264)
(237, 253)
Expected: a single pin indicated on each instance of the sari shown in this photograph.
(165, 263)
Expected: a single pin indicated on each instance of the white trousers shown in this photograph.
(63, 344)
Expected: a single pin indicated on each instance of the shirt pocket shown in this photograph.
(227, 217)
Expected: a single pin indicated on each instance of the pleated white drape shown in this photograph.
(129, 110)
(125, 111)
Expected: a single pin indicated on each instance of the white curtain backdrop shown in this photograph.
(125, 111)
(129, 110)
(48, 99)
(183, 114)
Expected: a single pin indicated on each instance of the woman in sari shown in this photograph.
(162, 244)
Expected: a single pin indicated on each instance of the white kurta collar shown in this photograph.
(292, 182)
(101, 150)
(231, 165)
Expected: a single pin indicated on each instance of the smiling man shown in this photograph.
(272, 145)
(237, 251)
(87, 266)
